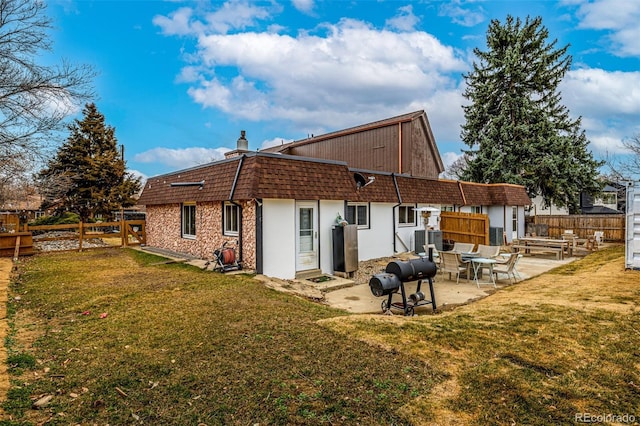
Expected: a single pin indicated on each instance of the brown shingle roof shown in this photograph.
(421, 190)
(259, 176)
(496, 194)
(284, 177)
(265, 175)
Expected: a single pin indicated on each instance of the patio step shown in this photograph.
(311, 273)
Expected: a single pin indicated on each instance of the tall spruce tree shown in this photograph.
(88, 174)
(516, 127)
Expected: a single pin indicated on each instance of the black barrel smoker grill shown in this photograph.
(398, 273)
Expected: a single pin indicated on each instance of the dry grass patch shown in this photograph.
(177, 345)
(539, 352)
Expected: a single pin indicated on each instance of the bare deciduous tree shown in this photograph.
(627, 167)
(34, 98)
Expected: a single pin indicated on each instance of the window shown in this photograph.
(231, 219)
(357, 214)
(189, 220)
(446, 208)
(476, 209)
(406, 215)
(608, 198)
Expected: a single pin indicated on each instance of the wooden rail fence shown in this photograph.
(116, 234)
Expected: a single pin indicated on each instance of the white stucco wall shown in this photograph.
(279, 236)
(539, 210)
(377, 240)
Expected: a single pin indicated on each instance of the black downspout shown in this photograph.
(231, 194)
(259, 265)
(393, 210)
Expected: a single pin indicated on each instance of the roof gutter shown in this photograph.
(235, 179)
(464, 199)
(231, 194)
(393, 211)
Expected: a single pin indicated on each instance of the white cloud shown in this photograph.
(232, 15)
(405, 20)
(274, 142)
(620, 17)
(177, 23)
(462, 15)
(304, 6)
(350, 72)
(181, 158)
(608, 101)
(448, 158)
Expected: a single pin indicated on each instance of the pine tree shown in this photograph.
(516, 127)
(88, 174)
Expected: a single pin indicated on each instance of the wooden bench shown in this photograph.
(527, 249)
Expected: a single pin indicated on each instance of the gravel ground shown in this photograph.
(368, 268)
(64, 244)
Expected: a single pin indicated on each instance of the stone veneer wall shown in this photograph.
(164, 230)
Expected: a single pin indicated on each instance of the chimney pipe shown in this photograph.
(243, 143)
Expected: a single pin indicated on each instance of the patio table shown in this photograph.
(480, 262)
(561, 246)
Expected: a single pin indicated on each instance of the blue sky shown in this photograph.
(179, 80)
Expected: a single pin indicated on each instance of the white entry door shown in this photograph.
(306, 235)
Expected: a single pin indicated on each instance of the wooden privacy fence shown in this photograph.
(80, 235)
(613, 225)
(465, 227)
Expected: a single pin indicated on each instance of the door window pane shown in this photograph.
(306, 229)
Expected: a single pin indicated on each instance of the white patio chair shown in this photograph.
(453, 264)
(463, 247)
(488, 252)
(508, 268)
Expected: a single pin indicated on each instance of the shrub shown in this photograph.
(64, 219)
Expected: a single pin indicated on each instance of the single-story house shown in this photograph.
(281, 209)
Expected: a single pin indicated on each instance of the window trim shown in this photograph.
(355, 205)
(230, 232)
(183, 225)
(408, 207)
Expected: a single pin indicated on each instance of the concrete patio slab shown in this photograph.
(359, 299)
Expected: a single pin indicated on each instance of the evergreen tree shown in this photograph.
(516, 127)
(88, 174)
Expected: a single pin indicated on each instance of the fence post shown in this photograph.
(124, 232)
(80, 232)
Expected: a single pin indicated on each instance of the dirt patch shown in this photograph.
(5, 273)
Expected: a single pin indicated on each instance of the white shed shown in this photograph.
(632, 250)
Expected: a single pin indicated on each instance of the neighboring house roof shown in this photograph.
(29, 202)
(599, 210)
(266, 175)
